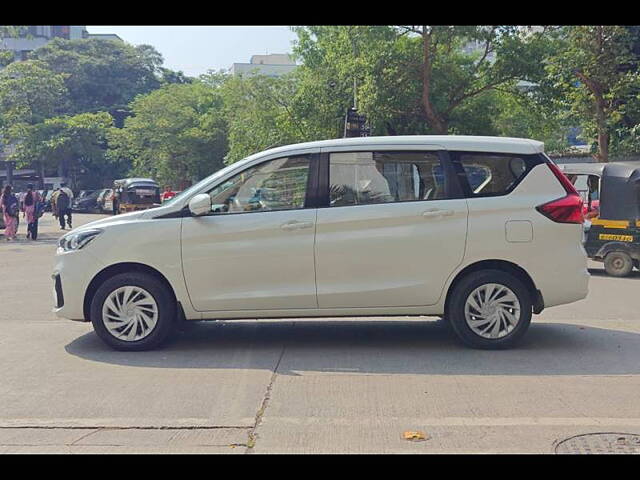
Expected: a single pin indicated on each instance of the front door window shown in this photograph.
(279, 184)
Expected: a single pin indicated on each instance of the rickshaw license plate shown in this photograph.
(619, 238)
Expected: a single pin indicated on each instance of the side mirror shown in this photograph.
(200, 204)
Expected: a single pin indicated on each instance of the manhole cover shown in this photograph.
(600, 443)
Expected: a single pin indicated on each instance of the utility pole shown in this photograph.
(355, 125)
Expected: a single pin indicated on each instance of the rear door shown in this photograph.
(392, 231)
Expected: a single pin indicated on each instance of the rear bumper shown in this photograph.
(564, 281)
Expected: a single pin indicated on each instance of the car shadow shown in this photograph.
(378, 347)
(600, 272)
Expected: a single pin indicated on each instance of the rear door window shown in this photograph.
(361, 178)
(493, 174)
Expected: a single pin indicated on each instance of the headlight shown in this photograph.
(77, 240)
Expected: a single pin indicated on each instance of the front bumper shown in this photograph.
(71, 277)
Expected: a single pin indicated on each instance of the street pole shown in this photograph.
(10, 166)
(355, 95)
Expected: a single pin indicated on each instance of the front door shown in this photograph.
(255, 250)
(393, 231)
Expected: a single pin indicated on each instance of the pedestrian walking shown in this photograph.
(10, 212)
(63, 199)
(31, 206)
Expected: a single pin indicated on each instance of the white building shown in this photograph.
(39, 35)
(272, 65)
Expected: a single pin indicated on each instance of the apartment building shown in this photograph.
(36, 36)
(272, 65)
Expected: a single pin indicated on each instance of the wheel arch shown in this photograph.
(633, 252)
(505, 266)
(115, 269)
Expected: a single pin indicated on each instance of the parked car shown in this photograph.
(87, 202)
(484, 231)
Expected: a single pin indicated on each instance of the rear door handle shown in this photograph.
(436, 212)
(295, 225)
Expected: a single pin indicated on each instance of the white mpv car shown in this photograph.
(483, 231)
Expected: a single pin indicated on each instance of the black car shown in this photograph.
(86, 203)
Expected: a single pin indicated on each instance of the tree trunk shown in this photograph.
(434, 120)
(601, 116)
(603, 135)
(42, 172)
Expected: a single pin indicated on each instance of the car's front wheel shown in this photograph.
(133, 312)
(490, 309)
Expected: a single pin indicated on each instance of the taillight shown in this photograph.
(566, 209)
(563, 210)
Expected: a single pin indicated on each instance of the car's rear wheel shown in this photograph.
(133, 312)
(490, 309)
(618, 264)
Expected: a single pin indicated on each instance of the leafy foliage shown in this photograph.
(596, 82)
(177, 133)
(102, 75)
(72, 144)
(30, 93)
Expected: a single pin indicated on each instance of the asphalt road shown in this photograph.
(337, 385)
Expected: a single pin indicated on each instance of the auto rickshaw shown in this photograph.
(133, 194)
(614, 234)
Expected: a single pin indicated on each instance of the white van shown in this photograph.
(484, 231)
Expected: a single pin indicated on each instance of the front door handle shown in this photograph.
(436, 212)
(295, 225)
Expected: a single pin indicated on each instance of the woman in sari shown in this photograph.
(10, 212)
(30, 202)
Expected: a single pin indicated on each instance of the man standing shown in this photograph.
(63, 205)
(115, 201)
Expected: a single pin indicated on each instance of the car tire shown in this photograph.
(618, 264)
(143, 321)
(509, 305)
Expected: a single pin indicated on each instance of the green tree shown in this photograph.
(102, 75)
(596, 81)
(260, 113)
(417, 79)
(72, 144)
(30, 93)
(524, 114)
(10, 31)
(332, 58)
(177, 134)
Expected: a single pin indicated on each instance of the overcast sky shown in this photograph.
(194, 50)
